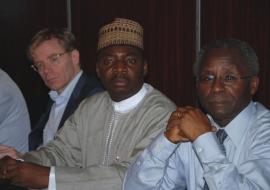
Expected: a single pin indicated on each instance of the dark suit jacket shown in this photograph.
(86, 86)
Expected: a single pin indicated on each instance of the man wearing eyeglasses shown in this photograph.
(227, 149)
(56, 59)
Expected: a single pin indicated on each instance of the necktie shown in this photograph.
(221, 136)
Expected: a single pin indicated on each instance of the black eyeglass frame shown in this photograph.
(223, 80)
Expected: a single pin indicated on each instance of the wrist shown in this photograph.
(171, 138)
(43, 179)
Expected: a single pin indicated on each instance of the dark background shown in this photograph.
(169, 26)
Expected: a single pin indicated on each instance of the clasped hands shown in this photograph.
(23, 173)
(187, 124)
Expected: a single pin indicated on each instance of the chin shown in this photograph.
(55, 88)
(220, 116)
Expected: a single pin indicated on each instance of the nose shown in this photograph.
(217, 85)
(45, 68)
(120, 66)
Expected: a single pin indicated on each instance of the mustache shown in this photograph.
(217, 97)
(119, 77)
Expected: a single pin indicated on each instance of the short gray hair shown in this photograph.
(244, 48)
(65, 38)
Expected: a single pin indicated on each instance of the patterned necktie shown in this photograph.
(221, 136)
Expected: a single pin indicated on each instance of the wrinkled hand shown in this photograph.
(24, 174)
(173, 131)
(9, 151)
(187, 124)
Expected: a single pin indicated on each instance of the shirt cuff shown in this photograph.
(52, 182)
(208, 148)
(162, 148)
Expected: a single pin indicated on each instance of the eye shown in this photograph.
(39, 66)
(206, 78)
(54, 58)
(108, 61)
(131, 60)
(230, 78)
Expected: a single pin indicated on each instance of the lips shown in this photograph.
(51, 80)
(120, 81)
(218, 102)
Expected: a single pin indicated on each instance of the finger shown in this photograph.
(181, 109)
(5, 151)
(10, 154)
(187, 110)
(173, 123)
(3, 172)
(3, 147)
(172, 135)
(11, 167)
(189, 107)
(8, 149)
(11, 174)
(190, 110)
(175, 135)
(14, 155)
(183, 139)
(2, 155)
(12, 171)
(213, 129)
(176, 115)
(9, 160)
(173, 116)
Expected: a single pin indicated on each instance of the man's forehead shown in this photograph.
(119, 49)
(224, 56)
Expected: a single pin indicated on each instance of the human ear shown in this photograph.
(97, 70)
(145, 68)
(75, 55)
(254, 84)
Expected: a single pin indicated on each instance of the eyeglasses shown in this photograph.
(52, 60)
(227, 80)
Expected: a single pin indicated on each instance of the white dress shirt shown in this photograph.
(56, 113)
(246, 165)
(58, 108)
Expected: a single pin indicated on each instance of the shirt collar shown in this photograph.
(237, 127)
(133, 101)
(64, 96)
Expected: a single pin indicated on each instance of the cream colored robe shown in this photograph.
(90, 154)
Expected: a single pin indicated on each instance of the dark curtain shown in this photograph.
(20, 19)
(169, 38)
(248, 20)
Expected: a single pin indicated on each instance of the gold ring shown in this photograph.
(179, 115)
